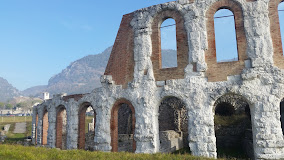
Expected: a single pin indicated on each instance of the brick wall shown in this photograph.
(275, 33)
(114, 123)
(121, 61)
(160, 73)
(44, 127)
(220, 71)
(81, 131)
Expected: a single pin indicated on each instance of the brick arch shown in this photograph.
(220, 71)
(275, 33)
(114, 123)
(160, 73)
(44, 126)
(60, 135)
(81, 125)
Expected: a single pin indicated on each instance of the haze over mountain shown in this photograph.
(83, 75)
(7, 91)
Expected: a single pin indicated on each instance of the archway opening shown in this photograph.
(281, 22)
(44, 126)
(87, 122)
(168, 43)
(61, 130)
(122, 127)
(173, 125)
(282, 115)
(225, 36)
(233, 129)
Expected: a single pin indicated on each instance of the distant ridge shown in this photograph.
(83, 75)
(7, 91)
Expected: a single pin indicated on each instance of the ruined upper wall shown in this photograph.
(137, 49)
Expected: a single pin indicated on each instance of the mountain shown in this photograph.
(83, 75)
(7, 91)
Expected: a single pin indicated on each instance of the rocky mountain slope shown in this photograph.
(7, 91)
(83, 75)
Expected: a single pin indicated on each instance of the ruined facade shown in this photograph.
(134, 78)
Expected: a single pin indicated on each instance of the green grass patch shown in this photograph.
(88, 120)
(10, 119)
(231, 153)
(229, 120)
(15, 152)
(14, 138)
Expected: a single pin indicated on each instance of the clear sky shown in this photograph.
(40, 38)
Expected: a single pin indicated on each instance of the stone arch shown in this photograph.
(233, 130)
(121, 103)
(276, 33)
(173, 124)
(45, 125)
(220, 71)
(61, 127)
(160, 73)
(81, 127)
(282, 115)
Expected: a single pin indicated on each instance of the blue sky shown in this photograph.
(40, 38)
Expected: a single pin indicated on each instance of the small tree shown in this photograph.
(9, 106)
(2, 105)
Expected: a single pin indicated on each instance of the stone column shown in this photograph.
(147, 127)
(267, 133)
(72, 124)
(202, 140)
(51, 136)
(102, 129)
(34, 127)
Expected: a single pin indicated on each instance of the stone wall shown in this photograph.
(131, 78)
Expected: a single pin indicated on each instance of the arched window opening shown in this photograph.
(281, 22)
(233, 129)
(61, 130)
(225, 36)
(122, 127)
(87, 122)
(168, 44)
(44, 127)
(173, 125)
(282, 115)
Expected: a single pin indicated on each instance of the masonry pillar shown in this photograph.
(72, 124)
(147, 132)
(202, 140)
(102, 130)
(51, 138)
(267, 133)
(34, 127)
(39, 127)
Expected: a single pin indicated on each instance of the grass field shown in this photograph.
(11, 137)
(9, 149)
(16, 152)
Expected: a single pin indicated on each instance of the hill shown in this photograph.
(83, 75)
(7, 91)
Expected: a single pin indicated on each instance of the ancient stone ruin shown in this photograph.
(144, 108)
